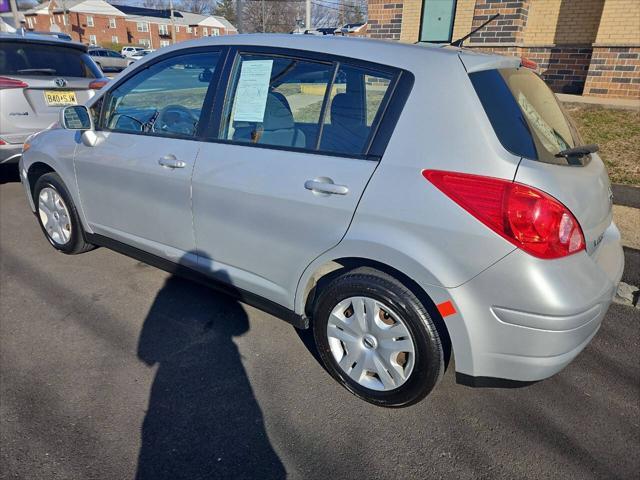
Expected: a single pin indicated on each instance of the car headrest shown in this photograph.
(277, 115)
(346, 109)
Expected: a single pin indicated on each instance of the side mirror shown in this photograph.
(76, 117)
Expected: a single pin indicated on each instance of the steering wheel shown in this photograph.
(175, 119)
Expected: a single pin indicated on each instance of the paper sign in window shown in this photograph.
(252, 90)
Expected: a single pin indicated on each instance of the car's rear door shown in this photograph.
(135, 183)
(268, 195)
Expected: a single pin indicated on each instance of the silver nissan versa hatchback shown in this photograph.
(410, 204)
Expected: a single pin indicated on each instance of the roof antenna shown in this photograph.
(459, 42)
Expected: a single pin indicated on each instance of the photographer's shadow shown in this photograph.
(203, 420)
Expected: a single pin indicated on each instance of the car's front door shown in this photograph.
(135, 183)
(267, 199)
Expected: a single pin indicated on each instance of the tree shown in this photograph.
(270, 16)
(156, 4)
(226, 9)
(196, 6)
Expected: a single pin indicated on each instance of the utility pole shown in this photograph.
(308, 15)
(239, 9)
(14, 10)
(173, 23)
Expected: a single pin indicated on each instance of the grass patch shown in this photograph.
(617, 132)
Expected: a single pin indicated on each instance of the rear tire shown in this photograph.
(58, 217)
(392, 358)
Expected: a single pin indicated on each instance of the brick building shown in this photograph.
(96, 22)
(589, 47)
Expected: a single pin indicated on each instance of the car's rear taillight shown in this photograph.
(530, 64)
(98, 84)
(529, 218)
(6, 82)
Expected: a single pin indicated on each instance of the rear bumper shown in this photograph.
(10, 153)
(525, 319)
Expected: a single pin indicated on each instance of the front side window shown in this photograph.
(215, 32)
(92, 39)
(524, 113)
(163, 29)
(114, 39)
(112, 22)
(142, 26)
(277, 101)
(164, 43)
(166, 99)
(145, 42)
(304, 104)
(90, 21)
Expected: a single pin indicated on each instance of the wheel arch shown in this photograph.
(35, 171)
(330, 269)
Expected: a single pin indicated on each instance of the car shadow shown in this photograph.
(9, 173)
(203, 420)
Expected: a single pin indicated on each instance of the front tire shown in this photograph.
(58, 217)
(376, 339)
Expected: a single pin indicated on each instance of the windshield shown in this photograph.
(38, 59)
(524, 113)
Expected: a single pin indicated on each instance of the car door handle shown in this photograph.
(325, 185)
(170, 161)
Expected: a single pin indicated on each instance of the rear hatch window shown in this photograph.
(18, 58)
(525, 113)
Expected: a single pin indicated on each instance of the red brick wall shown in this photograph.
(385, 19)
(508, 28)
(81, 30)
(614, 72)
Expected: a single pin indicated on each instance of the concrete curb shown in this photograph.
(621, 103)
(627, 195)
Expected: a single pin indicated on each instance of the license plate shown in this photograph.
(60, 99)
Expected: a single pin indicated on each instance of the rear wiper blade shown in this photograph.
(580, 151)
(46, 71)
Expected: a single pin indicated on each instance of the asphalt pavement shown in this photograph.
(111, 369)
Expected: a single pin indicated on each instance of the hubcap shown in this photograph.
(371, 343)
(54, 216)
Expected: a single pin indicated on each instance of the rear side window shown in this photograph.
(354, 104)
(277, 101)
(304, 104)
(35, 59)
(524, 113)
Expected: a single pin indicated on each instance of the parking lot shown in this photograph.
(111, 369)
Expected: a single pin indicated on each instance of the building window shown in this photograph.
(29, 22)
(35, 20)
(195, 31)
(163, 29)
(114, 39)
(90, 21)
(205, 32)
(64, 19)
(189, 30)
(93, 40)
(177, 28)
(142, 26)
(436, 24)
(164, 43)
(144, 42)
(112, 22)
(51, 20)
(215, 32)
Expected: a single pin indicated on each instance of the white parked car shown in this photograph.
(130, 51)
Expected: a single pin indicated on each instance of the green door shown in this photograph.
(437, 20)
